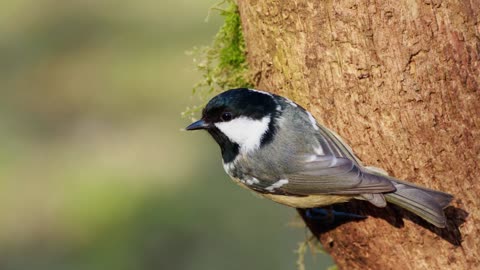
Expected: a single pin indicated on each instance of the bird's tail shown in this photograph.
(426, 203)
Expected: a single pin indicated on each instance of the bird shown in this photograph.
(276, 148)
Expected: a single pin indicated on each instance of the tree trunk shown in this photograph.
(399, 81)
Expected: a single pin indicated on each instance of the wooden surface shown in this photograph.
(399, 81)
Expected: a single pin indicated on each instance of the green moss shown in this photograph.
(223, 64)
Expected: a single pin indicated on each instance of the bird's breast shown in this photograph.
(309, 201)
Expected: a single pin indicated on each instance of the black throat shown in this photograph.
(229, 149)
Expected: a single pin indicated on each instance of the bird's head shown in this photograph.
(239, 120)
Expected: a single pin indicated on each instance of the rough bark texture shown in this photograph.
(399, 80)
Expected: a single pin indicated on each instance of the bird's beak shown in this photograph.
(200, 124)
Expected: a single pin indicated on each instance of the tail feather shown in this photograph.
(424, 202)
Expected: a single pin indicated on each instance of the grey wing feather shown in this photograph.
(334, 175)
(335, 145)
(335, 171)
(339, 171)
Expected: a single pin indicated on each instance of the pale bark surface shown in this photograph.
(399, 81)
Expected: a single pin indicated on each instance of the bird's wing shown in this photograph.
(333, 144)
(336, 171)
(334, 175)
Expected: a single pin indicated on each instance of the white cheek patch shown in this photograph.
(245, 131)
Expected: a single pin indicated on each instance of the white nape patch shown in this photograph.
(312, 120)
(291, 102)
(252, 181)
(245, 131)
(261, 92)
(277, 184)
(279, 108)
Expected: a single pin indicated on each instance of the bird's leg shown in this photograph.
(329, 218)
(320, 214)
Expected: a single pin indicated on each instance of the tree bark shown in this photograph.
(399, 81)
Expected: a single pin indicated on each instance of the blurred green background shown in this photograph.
(94, 170)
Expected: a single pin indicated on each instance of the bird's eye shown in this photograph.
(226, 116)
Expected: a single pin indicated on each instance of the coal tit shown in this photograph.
(273, 146)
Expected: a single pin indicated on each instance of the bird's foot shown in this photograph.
(328, 218)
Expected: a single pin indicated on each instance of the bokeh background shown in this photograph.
(95, 172)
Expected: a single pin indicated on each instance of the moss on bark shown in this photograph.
(223, 64)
